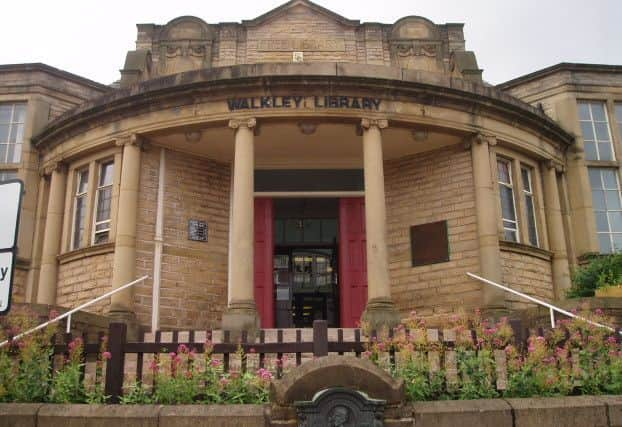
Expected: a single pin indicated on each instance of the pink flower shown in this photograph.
(252, 350)
(264, 374)
(216, 363)
(599, 312)
(182, 348)
(612, 340)
(154, 365)
(224, 381)
(172, 354)
(107, 355)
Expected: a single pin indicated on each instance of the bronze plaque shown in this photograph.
(429, 243)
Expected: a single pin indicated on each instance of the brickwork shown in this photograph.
(194, 274)
(428, 187)
(84, 279)
(321, 35)
(299, 23)
(528, 274)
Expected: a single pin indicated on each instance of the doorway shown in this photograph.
(310, 261)
(306, 262)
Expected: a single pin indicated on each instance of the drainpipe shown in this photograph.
(158, 241)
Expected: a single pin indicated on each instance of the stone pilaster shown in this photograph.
(380, 310)
(48, 276)
(557, 239)
(487, 210)
(241, 313)
(124, 264)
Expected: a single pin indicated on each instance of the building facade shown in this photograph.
(302, 165)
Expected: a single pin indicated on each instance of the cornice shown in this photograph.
(218, 83)
(65, 75)
(561, 67)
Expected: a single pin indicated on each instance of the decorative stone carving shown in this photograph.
(58, 165)
(415, 43)
(132, 139)
(379, 123)
(479, 138)
(185, 44)
(248, 122)
(307, 128)
(340, 407)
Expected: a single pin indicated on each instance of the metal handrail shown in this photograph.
(551, 307)
(73, 310)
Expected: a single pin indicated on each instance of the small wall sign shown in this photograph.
(197, 230)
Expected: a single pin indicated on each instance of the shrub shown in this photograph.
(601, 271)
(67, 386)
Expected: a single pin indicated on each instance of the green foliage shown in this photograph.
(419, 382)
(137, 394)
(67, 386)
(602, 271)
(477, 370)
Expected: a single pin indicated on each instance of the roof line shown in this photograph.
(562, 66)
(39, 66)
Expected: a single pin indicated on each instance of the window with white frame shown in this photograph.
(12, 118)
(607, 208)
(508, 206)
(532, 229)
(103, 201)
(6, 175)
(596, 131)
(79, 208)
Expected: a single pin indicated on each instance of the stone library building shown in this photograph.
(302, 165)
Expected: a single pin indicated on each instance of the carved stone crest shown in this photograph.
(341, 407)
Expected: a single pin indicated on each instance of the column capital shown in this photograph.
(249, 123)
(55, 166)
(367, 123)
(479, 138)
(132, 139)
(554, 164)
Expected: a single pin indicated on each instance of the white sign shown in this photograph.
(10, 204)
(6, 274)
(10, 197)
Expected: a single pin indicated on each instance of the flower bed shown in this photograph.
(483, 361)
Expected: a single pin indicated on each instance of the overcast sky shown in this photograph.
(510, 38)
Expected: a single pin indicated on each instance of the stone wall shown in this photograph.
(528, 274)
(428, 187)
(575, 411)
(18, 293)
(300, 23)
(194, 274)
(83, 279)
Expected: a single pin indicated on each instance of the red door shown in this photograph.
(352, 260)
(264, 252)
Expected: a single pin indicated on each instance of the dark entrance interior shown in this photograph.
(306, 261)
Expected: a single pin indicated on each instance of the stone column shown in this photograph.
(487, 211)
(241, 313)
(48, 276)
(557, 240)
(380, 310)
(124, 263)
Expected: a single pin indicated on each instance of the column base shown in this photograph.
(241, 316)
(380, 313)
(130, 320)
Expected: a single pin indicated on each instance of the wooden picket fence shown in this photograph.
(121, 350)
